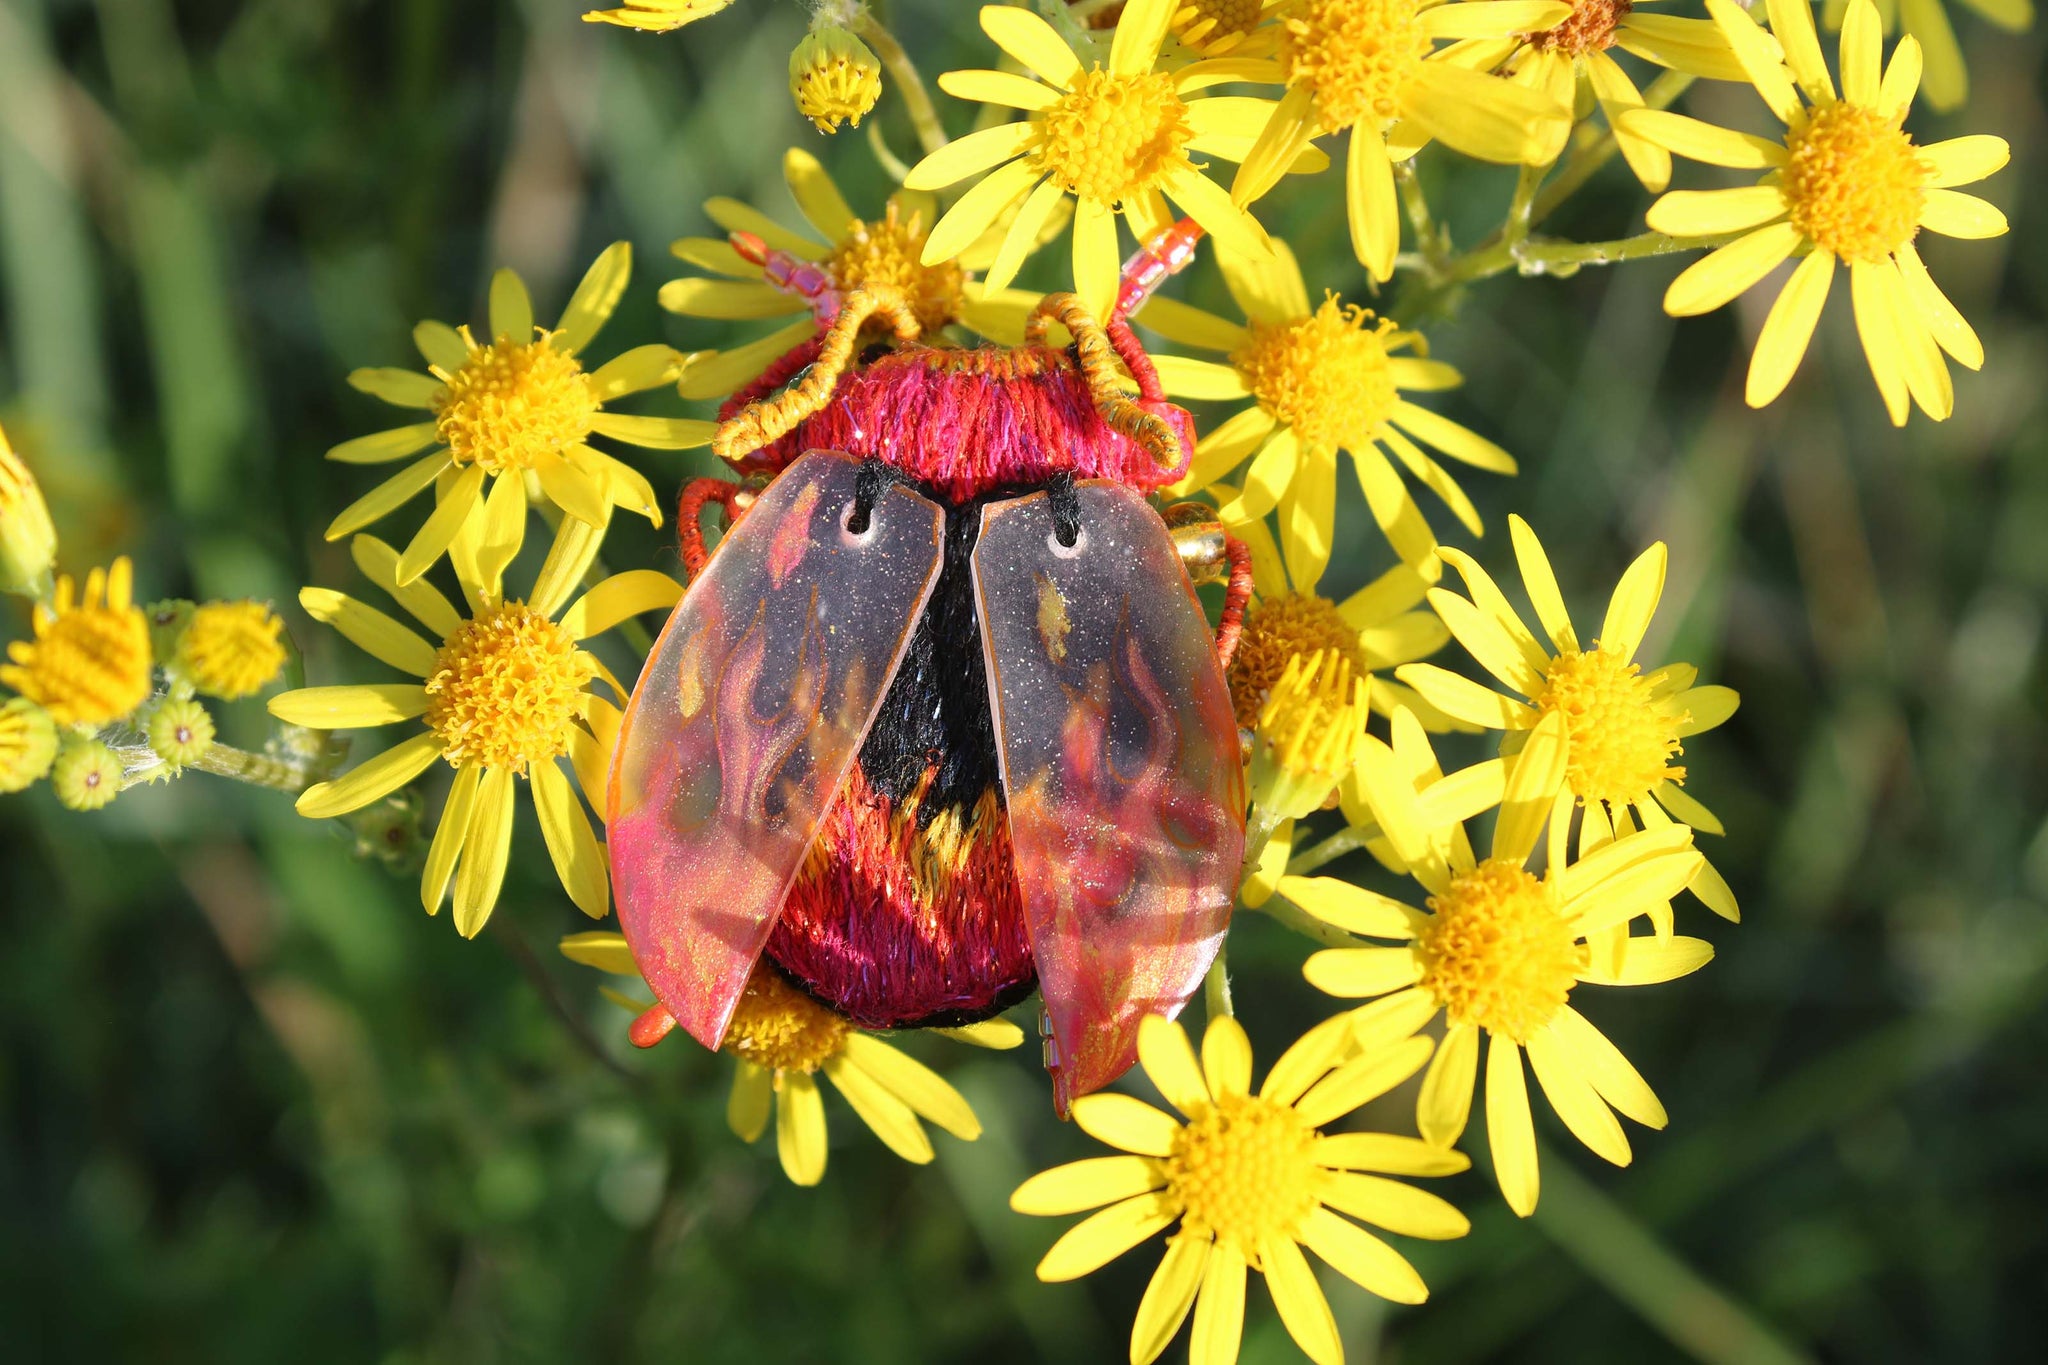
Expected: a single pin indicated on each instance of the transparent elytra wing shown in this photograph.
(1120, 768)
(746, 718)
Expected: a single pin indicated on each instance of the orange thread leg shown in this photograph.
(1230, 625)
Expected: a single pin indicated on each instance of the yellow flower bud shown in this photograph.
(1309, 733)
(28, 542)
(28, 744)
(89, 663)
(231, 649)
(180, 731)
(87, 775)
(834, 77)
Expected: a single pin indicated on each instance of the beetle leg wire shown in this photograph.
(1098, 349)
(760, 423)
(873, 480)
(689, 518)
(1066, 508)
(1230, 625)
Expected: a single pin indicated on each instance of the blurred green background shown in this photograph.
(254, 1105)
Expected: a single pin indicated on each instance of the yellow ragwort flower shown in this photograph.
(1846, 184)
(1622, 726)
(783, 1040)
(656, 16)
(230, 650)
(28, 744)
(1321, 381)
(1308, 733)
(857, 251)
(1499, 951)
(1373, 66)
(89, 663)
(28, 540)
(1376, 629)
(87, 774)
(1251, 1181)
(834, 78)
(521, 403)
(503, 693)
(179, 731)
(1570, 62)
(1947, 80)
(1117, 139)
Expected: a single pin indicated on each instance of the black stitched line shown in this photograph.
(1066, 509)
(873, 480)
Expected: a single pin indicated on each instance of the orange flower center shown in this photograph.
(1358, 56)
(1855, 182)
(778, 1027)
(886, 251)
(1325, 375)
(513, 404)
(1111, 137)
(1590, 28)
(1619, 738)
(505, 689)
(1497, 953)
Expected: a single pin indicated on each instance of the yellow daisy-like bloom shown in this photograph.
(503, 694)
(1308, 733)
(520, 404)
(1948, 81)
(1117, 139)
(656, 16)
(230, 650)
(1375, 629)
(783, 1040)
(1622, 726)
(1322, 380)
(1847, 183)
(1373, 66)
(89, 663)
(28, 744)
(1251, 1181)
(834, 78)
(28, 540)
(1499, 950)
(1570, 62)
(857, 251)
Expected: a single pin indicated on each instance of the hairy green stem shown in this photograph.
(1347, 840)
(924, 117)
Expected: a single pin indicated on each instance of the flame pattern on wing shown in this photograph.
(747, 719)
(1120, 766)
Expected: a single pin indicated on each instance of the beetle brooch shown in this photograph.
(941, 720)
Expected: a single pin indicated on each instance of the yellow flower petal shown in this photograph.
(388, 496)
(1388, 1153)
(1954, 214)
(511, 307)
(578, 858)
(1306, 1060)
(1267, 480)
(966, 156)
(1456, 441)
(597, 294)
(1209, 204)
(735, 300)
(1574, 1099)
(600, 948)
(1781, 345)
(1394, 511)
(1792, 22)
(1861, 47)
(1618, 95)
(819, 199)
(1444, 1105)
(1308, 516)
(1226, 1057)
(916, 1084)
(1355, 973)
(1005, 88)
(1603, 1066)
(1022, 237)
(801, 1138)
(429, 543)
(1464, 699)
(1902, 80)
(1090, 1184)
(1760, 59)
(1361, 1079)
(1877, 328)
(1510, 1131)
(748, 1105)
(1351, 908)
(1484, 117)
(1031, 41)
(1721, 275)
(721, 372)
(1951, 331)
(1169, 1294)
(1362, 1258)
(734, 216)
(1298, 1298)
(1202, 380)
(1704, 213)
(1371, 209)
(1394, 1206)
(655, 433)
(352, 707)
(369, 630)
(1169, 1060)
(441, 345)
(1139, 31)
(1178, 322)
(371, 781)
(400, 388)
(487, 849)
(1651, 961)
(618, 598)
(1634, 602)
(1704, 142)
(1100, 1238)
(1219, 1308)
(889, 1118)
(449, 837)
